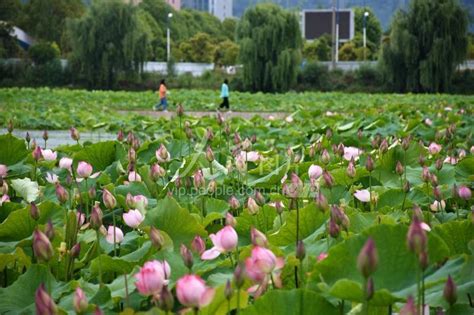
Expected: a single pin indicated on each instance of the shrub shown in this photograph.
(43, 53)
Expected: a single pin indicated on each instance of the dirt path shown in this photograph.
(231, 114)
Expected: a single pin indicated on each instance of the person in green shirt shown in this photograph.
(225, 95)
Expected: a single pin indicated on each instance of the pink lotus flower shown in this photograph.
(428, 122)
(65, 163)
(434, 148)
(437, 205)
(133, 218)
(464, 193)
(134, 177)
(322, 256)
(193, 292)
(3, 170)
(110, 235)
(224, 241)
(451, 160)
(351, 153)
(162, 155)
(362, 195)
(152, 277)
(4, 199)
(84, 169)
(251, 156)
(315, 171)
(49, 155)
(261, 267)
(51, 178)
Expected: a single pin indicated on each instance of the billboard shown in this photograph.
(316, 23)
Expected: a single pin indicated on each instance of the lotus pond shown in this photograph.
(334, 210)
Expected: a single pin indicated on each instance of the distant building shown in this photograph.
(176, 4)
(222, 9)
(201, 5)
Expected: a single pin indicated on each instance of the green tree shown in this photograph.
(426, 44)
(108, 41)
(46, 19)
(226, 53)
(198, 48)
(229, 26)
(373, 27)
(270, 48)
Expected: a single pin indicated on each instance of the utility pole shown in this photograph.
(333, 34)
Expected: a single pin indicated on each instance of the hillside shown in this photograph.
(384, 9)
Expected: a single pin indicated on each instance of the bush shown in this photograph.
(315, 76)
(48, 74)
(43, 53)
(368, 75)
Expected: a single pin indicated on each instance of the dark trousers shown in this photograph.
(225, 103)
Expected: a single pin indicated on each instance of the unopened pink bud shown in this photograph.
(367, 260)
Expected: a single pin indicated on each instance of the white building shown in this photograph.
(222, 9)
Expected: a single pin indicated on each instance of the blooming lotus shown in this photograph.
(49, 155)
(52, 178)
(437, 205)
(192, 291)
(351, 153)
(451, 160)
(362, 195)
(84, 169)
(250, 156)
(110, 235)
(152, 277)
(133, 218)
(65, 163)
(224, 241)
(262, 267)
(162, 155)
(434, 148)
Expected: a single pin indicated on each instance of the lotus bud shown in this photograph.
(228, 292)
(321, 202)
(450, 291)
(166, 299)
(187, 256)
(367, 260)
(416, 237)
(279, 206)
(120, 135)
(180, 110)
(237, 138)
(96, 216)
(28, 137)
(10, 126)
(45, 135)
(44, 304)
(61, 193)
(199, 180)
(240, 163)
(417, 213)
(76, 250)
(328, 179)
(37, 154)
(300, 250)
(230, 220)
(289, 152)
(49, 230)
(42, 246)
(130, 201)
(109, 200)
(227, 130)
(437, 193)
(409, 308)
(423, 260)
(359, 133)
(162, 154)
(132, 155)
(351, 170)
(258, 238)
(98, 311)
(259, 198)
(464, 193)
(312, 151)
(439, 164)
(425, 174)
(34, 211)
(252, 206)
(406, 143)
(399, 169)
(189, 132)
(209, 154)
(156, 238)
(369, 164)
(383, 146)
(325, 158)
(234, 203)
(130, 137)
(434, 180)
(253, 138)
(421, 160)
(239, 275)
(333, 228)
(328, 133)
(69, 180)
(80, 301)
(74, 134)
(406, 187)
(197, 245)
(212, 187)
(33, 145)
(209, 135)
(374, 143)
(92, 193)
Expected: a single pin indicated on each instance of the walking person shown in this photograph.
(163, 101)
(225, 95)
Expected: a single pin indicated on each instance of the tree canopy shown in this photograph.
(426, 45)
(270, 43)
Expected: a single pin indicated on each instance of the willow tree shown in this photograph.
(270, 43)
(108, 41)
(425, 46)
